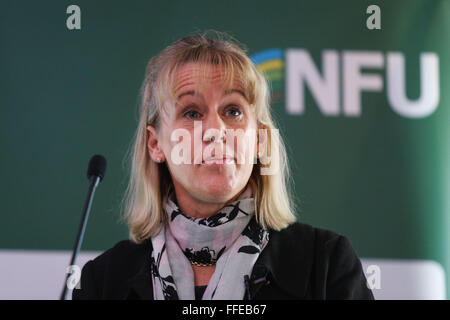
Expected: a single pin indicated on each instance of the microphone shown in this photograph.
(95, 174)
(258, 280)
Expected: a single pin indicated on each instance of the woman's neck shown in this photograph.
(196, 208)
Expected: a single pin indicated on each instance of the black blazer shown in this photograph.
(299, 262)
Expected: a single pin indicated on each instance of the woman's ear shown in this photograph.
(153, 148)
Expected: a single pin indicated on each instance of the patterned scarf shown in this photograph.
(231, 237)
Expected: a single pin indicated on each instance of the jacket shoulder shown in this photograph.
(305, 240)
(322, 263)
(107, 274)
(121, 250)
(315, 242)
(303, 232)
(125, 257)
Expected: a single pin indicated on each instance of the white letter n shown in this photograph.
(325, 90)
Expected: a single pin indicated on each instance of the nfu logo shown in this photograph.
(338, 83)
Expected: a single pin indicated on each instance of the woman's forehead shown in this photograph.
(196, 75)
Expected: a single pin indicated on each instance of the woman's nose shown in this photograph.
(214, 129)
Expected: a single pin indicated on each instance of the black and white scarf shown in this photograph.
(231, 237)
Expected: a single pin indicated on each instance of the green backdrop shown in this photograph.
(379, 178)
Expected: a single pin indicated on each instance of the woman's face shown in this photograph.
(219, 113)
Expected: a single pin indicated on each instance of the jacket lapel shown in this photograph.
(290, 275)
(140, 285)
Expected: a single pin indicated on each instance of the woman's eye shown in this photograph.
(192, 114)
(234, 112)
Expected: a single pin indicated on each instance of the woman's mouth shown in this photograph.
(218, 161)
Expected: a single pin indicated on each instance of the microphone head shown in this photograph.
(97, 167)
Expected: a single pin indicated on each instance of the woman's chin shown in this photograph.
(218, 192)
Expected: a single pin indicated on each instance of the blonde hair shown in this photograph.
(150, 182)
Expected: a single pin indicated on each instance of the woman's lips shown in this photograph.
(215, 161)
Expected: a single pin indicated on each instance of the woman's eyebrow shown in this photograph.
(193, 93)
(237, 91)
(227, 92)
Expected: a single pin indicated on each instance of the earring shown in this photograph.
(158, 160)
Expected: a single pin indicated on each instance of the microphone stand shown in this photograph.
(94, 181)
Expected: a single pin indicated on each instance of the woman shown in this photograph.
(208, 206)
